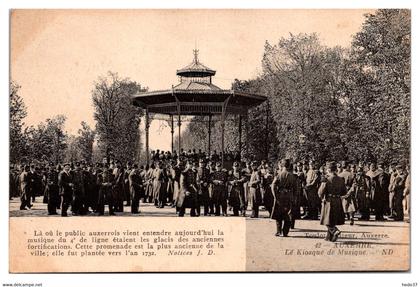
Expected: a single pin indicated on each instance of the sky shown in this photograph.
(57, 55)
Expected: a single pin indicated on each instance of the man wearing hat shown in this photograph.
(65, 182)
(236, 190)
(211, 165)
(118, 187)
(377, 193)
(331, 191)
(361, 191)
(176, 178)
(24, 181)
(77, 204)
(284, 188)
(254, 185)
(300, 200)
(349, 200)
(398, 193)
(51, 189)
(89, 183)
(203, 180)
(187, 197)
(106, 182)
(219, 189)
(126, 184)
(247, 171)
(136, 188)
(159, 185)
(313, 180)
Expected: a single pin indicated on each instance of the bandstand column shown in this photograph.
(224, 107)
(240, 136)
(223, 135)
(179, 134)
(147, 125)
(209, 139)
(172, 133)
(246, 133)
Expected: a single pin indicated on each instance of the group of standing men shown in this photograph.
(288, 192)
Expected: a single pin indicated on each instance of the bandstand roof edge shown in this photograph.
(197, 102)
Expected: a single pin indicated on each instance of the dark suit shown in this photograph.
(219, 191)
(24, 181)
(52, 192)
(203, 181)
(188, 192)
(136, 188)
(106, 181)
(236, 192)
(65, 182)
(284, 189)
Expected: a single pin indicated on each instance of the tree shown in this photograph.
(85, 139)
(17, 111)
(117, 120)
(300, 78)
(48, 141)
(380, 84)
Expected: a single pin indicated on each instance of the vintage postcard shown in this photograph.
(209, 140)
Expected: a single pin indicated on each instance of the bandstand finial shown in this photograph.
(195, 51)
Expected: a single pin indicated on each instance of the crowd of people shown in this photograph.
(192, 180)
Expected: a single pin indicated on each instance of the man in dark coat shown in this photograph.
(212, 168)
(254, 186)
(398, 193)
(65, 182)
(331, 191)
(33, 183)
(118, 187)
(361, 191)
(126, 184)
(284, 189)
(136, 188)
(349, 200)
(300, 200)
(106, 182)
(51, 189)
(313, 179)
(219, 189)
(236, 190)
(187, 197)
(267, 179)
(203, 180)
(78, 207)
(89, 183)
(376, 191)
(24, 182)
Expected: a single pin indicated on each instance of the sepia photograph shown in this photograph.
(209, 140)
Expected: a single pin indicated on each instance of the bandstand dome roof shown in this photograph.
(197, 95)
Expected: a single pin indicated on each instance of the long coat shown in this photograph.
(187, 196)
(64, 181)
(51, 187)
(219, 187)
(159, 184)
(236, 189)
(284, 189)
(176, 177)
(330, 192)
(135, 185)
(361, 191)
(349, 200)
(254, 185)
(24, 181)
(203, 181)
